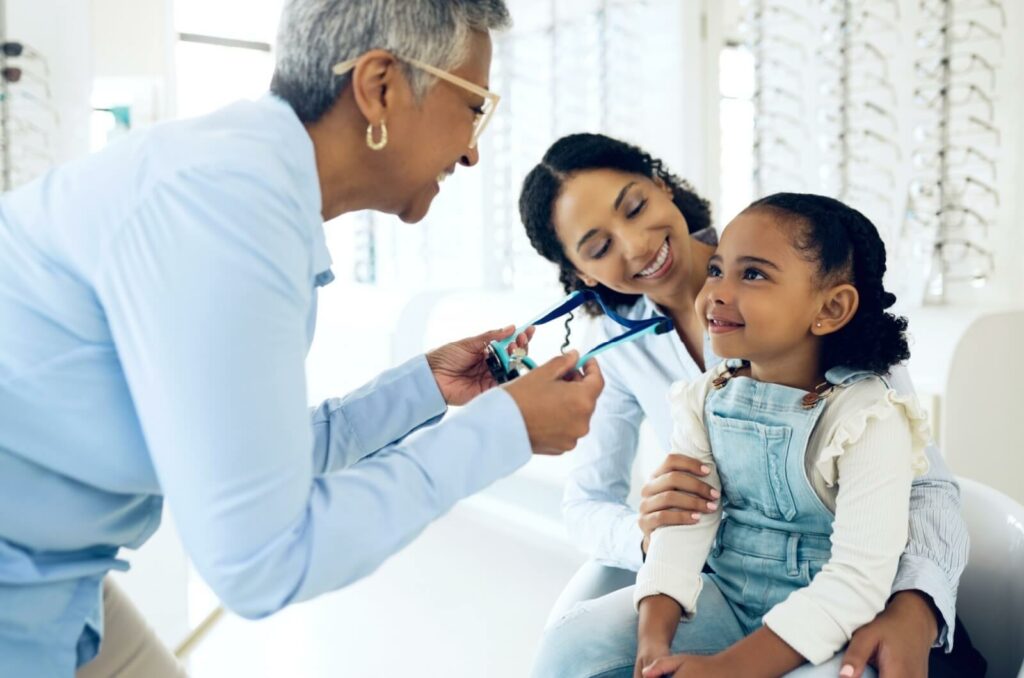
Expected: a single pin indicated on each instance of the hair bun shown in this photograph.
(888, 299)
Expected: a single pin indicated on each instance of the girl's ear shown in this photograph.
(837, 309)
(587, 280)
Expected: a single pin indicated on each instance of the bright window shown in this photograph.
(223, 52)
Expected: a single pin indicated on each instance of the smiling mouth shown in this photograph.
(444, 174)
(660, 264)
(718, 325)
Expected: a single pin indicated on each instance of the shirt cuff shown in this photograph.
(806, 628)
(510, 447)
(917, 573)
(625, 545)
(677, 583)
(432, 404)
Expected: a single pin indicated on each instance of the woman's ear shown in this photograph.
(586, 279)
(375, 81)
(837, 309)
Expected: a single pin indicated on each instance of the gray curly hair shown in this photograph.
(316, 34)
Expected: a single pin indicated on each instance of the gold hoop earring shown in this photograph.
(377, 145)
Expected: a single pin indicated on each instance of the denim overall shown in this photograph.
(773, 539)
(775, 532)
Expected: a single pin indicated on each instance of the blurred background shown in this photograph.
(908, 109)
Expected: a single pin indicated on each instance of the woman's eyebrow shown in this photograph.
(586, 236)
(622, 194)
(618, 201)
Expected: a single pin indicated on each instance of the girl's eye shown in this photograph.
(714, 271)
(637, 209)
(477, 110)
(601, 252)
(754, 274)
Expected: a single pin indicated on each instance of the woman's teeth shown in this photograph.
(658, 262)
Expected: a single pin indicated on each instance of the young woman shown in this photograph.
(613, 218)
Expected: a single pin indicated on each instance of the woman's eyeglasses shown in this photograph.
(483, 114)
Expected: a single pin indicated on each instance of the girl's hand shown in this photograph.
(690, 666)
(674, 495)
(648, 654)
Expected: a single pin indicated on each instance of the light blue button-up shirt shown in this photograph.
(637, 380)
(157, 301)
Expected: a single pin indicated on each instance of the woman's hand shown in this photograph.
(897, 642)
(460, 368)
(675, 496)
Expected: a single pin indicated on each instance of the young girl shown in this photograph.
(814, 455)
(813, 452)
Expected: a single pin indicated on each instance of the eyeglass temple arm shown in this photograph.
(559, 309)
(652, 326)
(637, 328)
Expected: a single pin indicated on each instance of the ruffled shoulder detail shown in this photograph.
(851, 428)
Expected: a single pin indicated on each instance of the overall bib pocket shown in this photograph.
(751, 460)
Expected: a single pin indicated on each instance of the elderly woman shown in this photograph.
(157, 301)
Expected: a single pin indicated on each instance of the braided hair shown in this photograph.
(578, 153)
(847, 248)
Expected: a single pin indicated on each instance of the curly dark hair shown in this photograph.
(578, 153)
(847, 247)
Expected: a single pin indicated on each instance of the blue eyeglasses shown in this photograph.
(505, 367)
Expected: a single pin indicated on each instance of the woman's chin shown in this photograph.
(417, 208)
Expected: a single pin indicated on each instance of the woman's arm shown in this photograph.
(597, 515)
(936, 552)
(207, 290)
(377, 414)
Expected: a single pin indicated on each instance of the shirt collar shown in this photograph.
(321, 258)
(648, 308)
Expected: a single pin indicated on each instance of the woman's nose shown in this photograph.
(470, 157)
(636, 247)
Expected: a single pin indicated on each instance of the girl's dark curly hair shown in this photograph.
(847, 248)
(578, 153)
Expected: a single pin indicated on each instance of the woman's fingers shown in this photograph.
(679, 482)
(676, 501)
(681, 462)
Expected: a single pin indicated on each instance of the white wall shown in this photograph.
(59, 30)
(134, 57)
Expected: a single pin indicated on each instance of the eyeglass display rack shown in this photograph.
(562, 70)
(955, 197)
(840, 59)
(28, 119)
